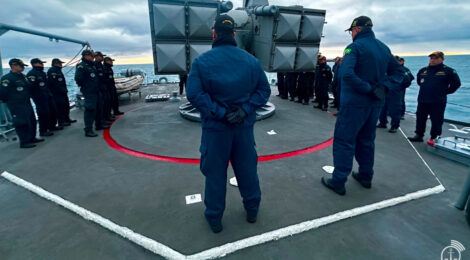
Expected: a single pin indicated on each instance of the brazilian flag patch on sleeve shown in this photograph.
(347, 51)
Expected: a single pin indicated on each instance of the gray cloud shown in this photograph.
(121, 27)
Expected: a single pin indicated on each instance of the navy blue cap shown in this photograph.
(363, 21)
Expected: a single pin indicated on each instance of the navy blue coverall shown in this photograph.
(394, 102)
(224, 76)
(15, 91)
(367, 63)
(435, 83)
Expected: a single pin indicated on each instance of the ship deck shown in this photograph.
(136, 177)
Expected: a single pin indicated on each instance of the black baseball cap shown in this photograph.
(57, 60)
(224, 24)
(15, 61)
(108, 58)
(87, 52)
(36, 60)
(361, 21)
(99, 53)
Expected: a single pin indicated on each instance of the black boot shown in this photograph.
(364, 183)
(37, 140)
(90, 134)
(56, 128)
(27, 145)
(251, 216)
(216, 227)
(393, 130)
(47, 133)
(416, 138)
(118, 113)
(382, 125)
(102, 127)
(339, 190)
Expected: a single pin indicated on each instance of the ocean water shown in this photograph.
(458, 106)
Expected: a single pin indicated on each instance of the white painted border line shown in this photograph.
(229, 248)
(125, 232)
(223, 250)
(421, 157)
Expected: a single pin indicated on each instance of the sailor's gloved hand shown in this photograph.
(235, 115)
(379, 91)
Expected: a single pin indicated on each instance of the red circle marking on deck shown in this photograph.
(264, 158)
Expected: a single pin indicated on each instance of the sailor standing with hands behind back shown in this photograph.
(368, 68)
(227, 84)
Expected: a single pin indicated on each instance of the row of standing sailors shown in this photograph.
(305, 85)
(95, 77)
(49, 94)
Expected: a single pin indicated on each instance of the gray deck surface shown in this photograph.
(149, 196)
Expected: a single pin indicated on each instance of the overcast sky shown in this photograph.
(121, 27)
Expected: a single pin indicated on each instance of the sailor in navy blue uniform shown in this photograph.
(58, 87)
(111, 84)
(15, 91)
(103, 112)
(87, 79)
(323, 78)
(435, 81)
(406, 83)
(227, 85)
(367, 69)
(394, 102)
(335, 85)
(291, 84)
(42, 97)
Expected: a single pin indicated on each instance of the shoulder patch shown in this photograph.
(347, 51)
(79, 66)
(5, 82)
